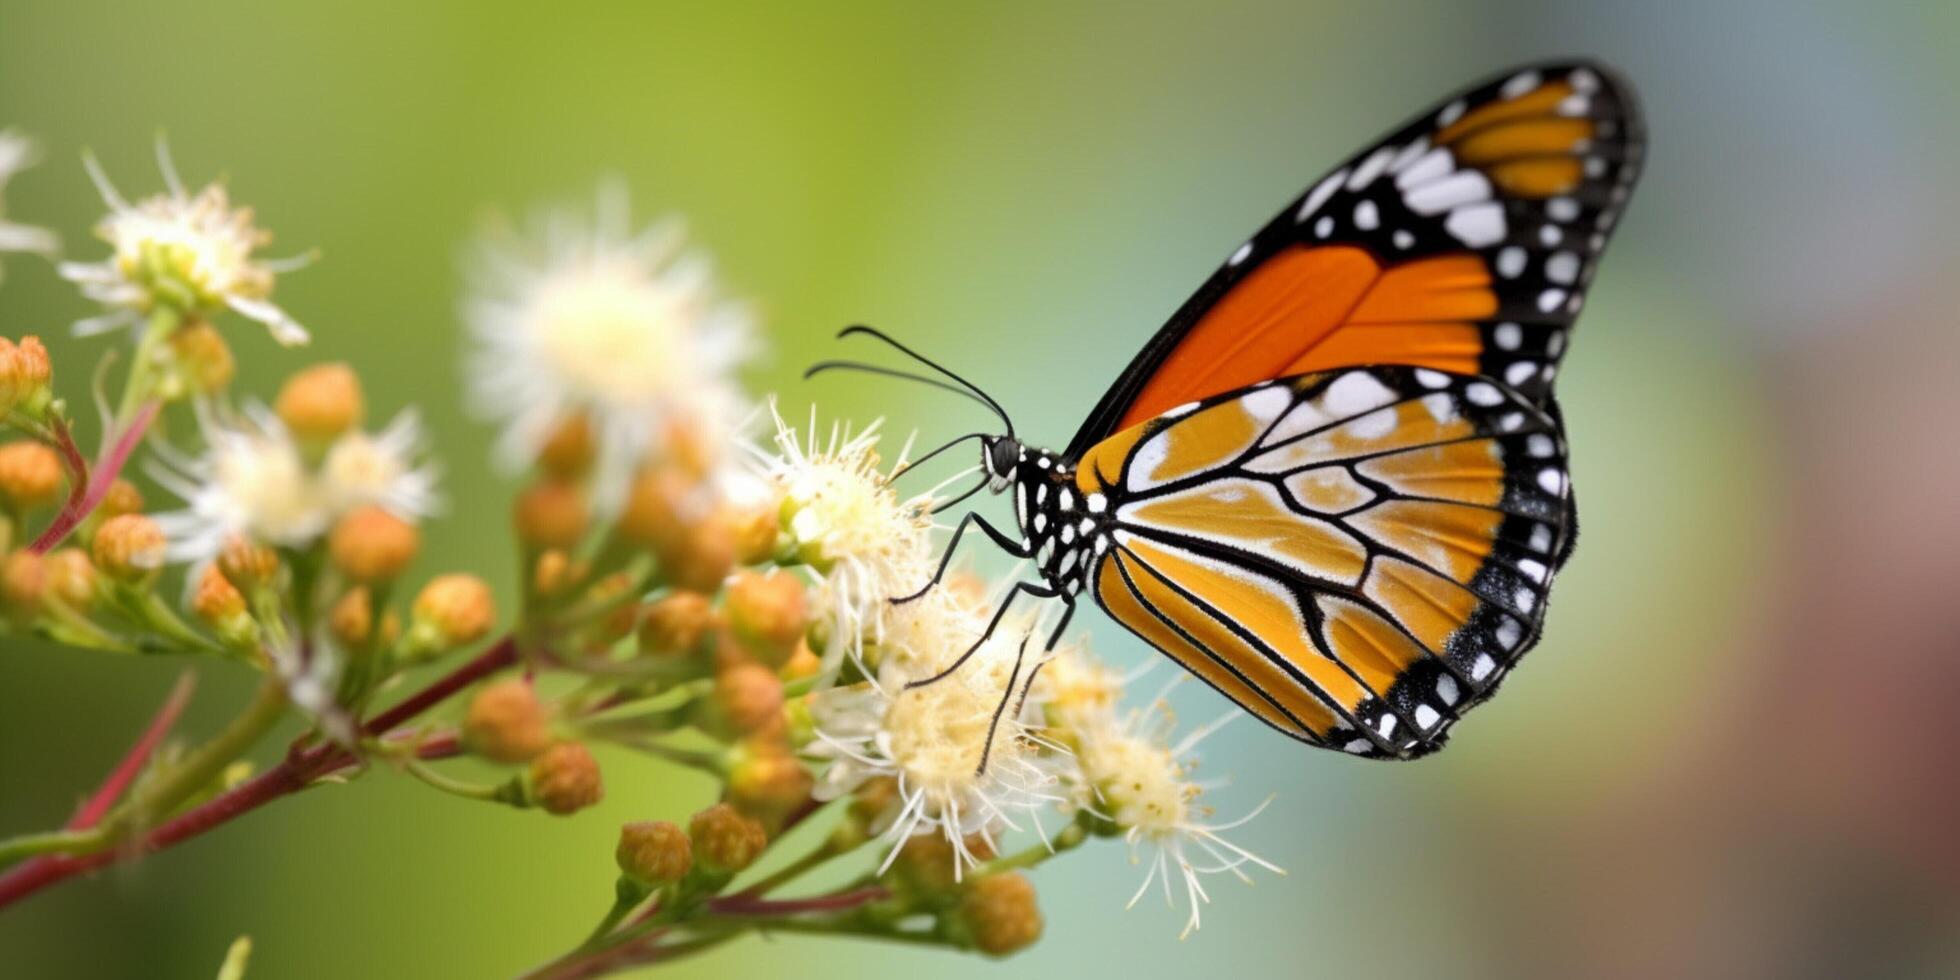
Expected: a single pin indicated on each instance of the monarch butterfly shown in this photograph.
(1334, 485)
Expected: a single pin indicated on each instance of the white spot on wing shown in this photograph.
(1510, 261)
(1508, 335)
(1477, 225)
(1354, 393)
(1458, 189)
(1366, 216)
(1562, 267)
(1432, 379)
(1369, 169)
(1244, 252)
(1451, 113)
(1550, 299)
(1320, 193)
(1481, 667)
(1435, 164)
(1520, 83)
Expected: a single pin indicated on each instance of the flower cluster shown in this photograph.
(771, 613)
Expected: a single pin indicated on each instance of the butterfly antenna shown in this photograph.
(956, 501)
(823, 366)
(914, 464)
(936, 366)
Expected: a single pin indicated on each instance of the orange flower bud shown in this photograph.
(457, 607)
(351, 620)
(30, 474)
(216, 600)
(23, 580)
(704, 561)
(767, 610)
(570, 450)
(129, 547)
(248, 565)
(321, 402)
(565, 779)
(71, 578)
(372, 545)
(655, 852)
(661, 507)
(927, 863)
(122, 498)
(1000, 913)
(676, 624)
(766, 781)
(551, 514)
(750, 696)
(725, 840)
(203, 360)
(505, 722)
(754, 531)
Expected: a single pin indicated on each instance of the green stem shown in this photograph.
(628, 893)
(851, 927)
(160, 796)
(500, 793)
(816, 857)
(1070, 838)
(164, 319)
(51, 842)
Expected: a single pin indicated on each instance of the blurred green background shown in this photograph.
(1732, 754)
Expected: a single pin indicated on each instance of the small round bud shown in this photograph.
(927, 862)
(129, 547)
(23, 580)
(555, 572)
(321, 402)
(71, 578)
(551, 514)
(767, 610)
(725, 840)
(565, 779)
(122, 498)
(754, 531)
(505, 722)
(1000, 913)
(10, 378)
(570, 450)
(803, 662)
(661, 508)
(204, 363)
(676, 625)
(30, 474)
(766, 781)
(36, 368)
(750, 696)
(216, 600)
(247, 564)
(655, 852)
(351, 620)
(372, 545)
(25, 373)
(703, 563)
(457, 607)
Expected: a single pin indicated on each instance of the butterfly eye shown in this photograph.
(1001, 455)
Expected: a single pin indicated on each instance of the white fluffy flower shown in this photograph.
(17, 153)
(847, 524)
(933, 741)
(621, 325)
(1140, 781)
(193, 252)
(252, 480)
(381, 469)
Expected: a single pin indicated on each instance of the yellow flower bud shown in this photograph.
(551, 514)
(25, 375)
(30, 474)
(754, 531)
(676, 624)
(1000, 913)
(372, 545)
(655, 852)
(555, 572)
(129, 547)
(767, 610)
(927, 862)
(570, 450)
(565, 779)
(321, 402)
(661, 507)
(505, 722)
(456, 607)
(703, 561)
(803, 663)
(725, 840)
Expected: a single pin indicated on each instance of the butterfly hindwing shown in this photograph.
(1356, 556)
(1462, 242)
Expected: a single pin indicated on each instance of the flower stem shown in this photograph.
(178, 784)
(128, 436)
(139, 753)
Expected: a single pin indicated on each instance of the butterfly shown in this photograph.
(1334, 485)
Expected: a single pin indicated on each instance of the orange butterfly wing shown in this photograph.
(1463, 242)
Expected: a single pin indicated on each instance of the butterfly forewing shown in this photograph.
(1356, 557)
(1462, 242)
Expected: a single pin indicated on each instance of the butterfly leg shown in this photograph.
(1029, 588)
(1027, 687)
(1007, 694)
(1007, 544)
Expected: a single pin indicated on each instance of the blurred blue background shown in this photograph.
(1731, 754)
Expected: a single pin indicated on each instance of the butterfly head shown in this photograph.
(999, 457)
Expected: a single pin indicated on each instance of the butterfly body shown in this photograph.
(1334, 484)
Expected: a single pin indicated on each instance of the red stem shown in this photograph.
(95, 486)
(139, 753)
(297, 771)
